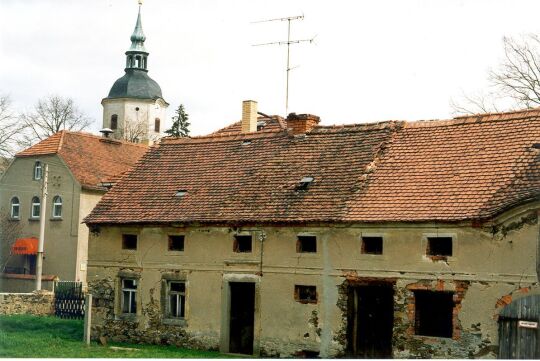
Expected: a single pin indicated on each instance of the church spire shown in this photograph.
(137, 56)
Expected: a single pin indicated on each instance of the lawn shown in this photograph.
(32, 336)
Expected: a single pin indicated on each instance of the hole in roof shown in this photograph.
(536, 145)
(261, 124)
(305, 183)
(180, 193)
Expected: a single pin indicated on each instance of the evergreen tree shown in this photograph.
(180, 126)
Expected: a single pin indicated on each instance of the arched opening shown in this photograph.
(137, 61)
(38, 170)
(114, 121)
(57, 207)
(15, 208)
(36, 207)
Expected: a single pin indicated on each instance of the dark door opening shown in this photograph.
(242, 317)
(370, 319)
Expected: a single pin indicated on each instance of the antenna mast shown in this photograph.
(288, 43)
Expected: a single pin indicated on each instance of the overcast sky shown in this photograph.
(371, 60)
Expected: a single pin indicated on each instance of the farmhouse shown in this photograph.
(283, 237)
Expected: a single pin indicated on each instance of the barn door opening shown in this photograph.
(370, 316)
(242, 317)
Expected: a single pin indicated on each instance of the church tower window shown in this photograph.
(114, 121)
(157, 125)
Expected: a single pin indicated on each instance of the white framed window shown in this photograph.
(36, 207)
(38, 170)
(57, 207)
(15, 208)
(129, 295)
(176, 300)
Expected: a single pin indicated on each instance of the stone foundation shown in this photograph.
(39, 303)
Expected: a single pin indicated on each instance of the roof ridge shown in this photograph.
(223, 136)
(90, 135)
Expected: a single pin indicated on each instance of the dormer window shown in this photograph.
(38, 170)
(305, 183)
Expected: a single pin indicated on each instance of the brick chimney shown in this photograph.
(302, 123)
(249, 116)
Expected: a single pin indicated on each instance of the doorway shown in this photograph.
(370, 320)
(242, 317)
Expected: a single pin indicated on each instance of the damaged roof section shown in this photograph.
(464, 168)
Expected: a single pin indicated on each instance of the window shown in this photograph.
(439, 246)
(114, 122)
(129, 241)
(15, 208)
(156, 125)
(36, 207)
(177, 299)
(38, 171)
(176, 243)
(372, 245)
(57, 207)
(305, 294)
(433, 313)
(242, 243)
(129, 295)
(306, 244)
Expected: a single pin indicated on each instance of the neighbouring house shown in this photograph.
(282, 237)
(81, 167)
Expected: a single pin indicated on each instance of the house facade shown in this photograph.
(80, 167)
(281, 237)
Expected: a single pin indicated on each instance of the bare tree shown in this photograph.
(9, 232)
(515, 83)
(9, 128)
(134, 131)
(49, 116)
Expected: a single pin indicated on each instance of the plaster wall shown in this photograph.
(126, 109)
(488, 263)
(88, 200)
(60, 246)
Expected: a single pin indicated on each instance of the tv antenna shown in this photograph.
(288, 42)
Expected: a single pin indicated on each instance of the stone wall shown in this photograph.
(39, 303)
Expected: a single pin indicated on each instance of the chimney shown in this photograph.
(249, 116)
(302, 123)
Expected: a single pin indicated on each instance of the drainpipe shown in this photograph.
(262, 237)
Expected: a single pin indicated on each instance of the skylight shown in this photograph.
(305, 183)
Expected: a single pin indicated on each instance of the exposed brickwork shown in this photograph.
(302, 123)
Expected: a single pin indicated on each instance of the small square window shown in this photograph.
(306, 244)
(433, 313)
(372, 245)
(176, 243)
(242, 243)
(439, 246)
(305, 294)
(129, 241)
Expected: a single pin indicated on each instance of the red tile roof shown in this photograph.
(465, 168)
(273, 123)
(91, 159)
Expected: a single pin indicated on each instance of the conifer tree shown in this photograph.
(180, 126)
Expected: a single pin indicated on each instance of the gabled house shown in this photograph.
(397, 238)
(81, 168)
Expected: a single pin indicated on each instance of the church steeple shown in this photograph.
(137, 56)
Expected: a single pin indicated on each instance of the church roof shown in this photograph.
(135, 84)
(443, 170)
(91, 159)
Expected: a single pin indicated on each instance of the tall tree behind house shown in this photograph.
(180, 126)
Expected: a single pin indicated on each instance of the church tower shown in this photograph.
(134, 109)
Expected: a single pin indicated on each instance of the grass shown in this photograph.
(48, 337)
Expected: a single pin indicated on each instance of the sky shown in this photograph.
(370, 60)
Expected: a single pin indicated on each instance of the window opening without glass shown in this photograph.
(129, 241)
(306, 244)
(305, 294)
(372, 245)
(433, 313)
(439, 246)
(242, 243)
(176, 243)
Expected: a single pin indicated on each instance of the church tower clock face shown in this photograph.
(135, 102)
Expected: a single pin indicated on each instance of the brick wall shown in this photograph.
(39, 303)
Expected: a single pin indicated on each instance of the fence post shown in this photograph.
(87, 318)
